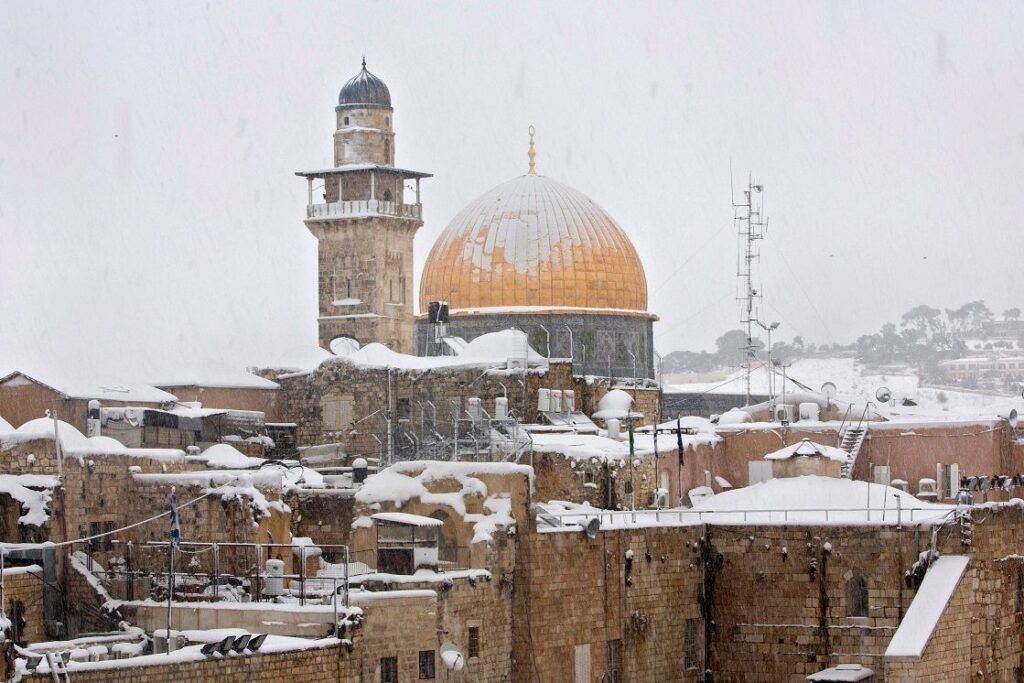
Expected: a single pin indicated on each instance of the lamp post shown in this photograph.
(771, 370)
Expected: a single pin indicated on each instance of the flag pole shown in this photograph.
(173, 541)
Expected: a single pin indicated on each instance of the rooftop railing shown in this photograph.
(364, 207)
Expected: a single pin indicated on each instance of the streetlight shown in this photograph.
(771, 370)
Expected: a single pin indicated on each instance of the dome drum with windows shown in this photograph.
(536, 254)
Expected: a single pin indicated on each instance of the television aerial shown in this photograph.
(883, 395)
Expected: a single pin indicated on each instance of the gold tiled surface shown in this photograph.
(534, 242)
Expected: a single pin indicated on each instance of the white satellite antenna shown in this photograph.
(829, 389)
(883, 395)
(1013, 418)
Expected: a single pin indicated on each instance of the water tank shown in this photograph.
(274, 584)
(556, 400)
(810, 411)
(569, 400)
(359, 470)
(544, 400)
(501, 408)
(474, 408)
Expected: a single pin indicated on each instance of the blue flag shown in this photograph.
(175, 527)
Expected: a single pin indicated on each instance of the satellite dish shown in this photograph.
(829, 389)
(1012, 418)
(343, 346)
(883, 394)
(592, 526)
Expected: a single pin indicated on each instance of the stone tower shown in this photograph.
(365, 218)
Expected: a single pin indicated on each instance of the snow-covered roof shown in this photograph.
(927, 607)
(91, 388)
(221, 376)
(806, 447)
(843, 672)
(225, 456)
(817, 499)
(75, 443)
(406, 518)
(302, 358)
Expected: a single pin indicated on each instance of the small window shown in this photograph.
(857, 597)
(387, 120)
(474, 641)
(346, 120)
(690, 644)
(389, 670)
(426, 664)
(614, 653)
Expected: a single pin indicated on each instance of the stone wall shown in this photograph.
(422, 402)
(231, 398)
(22, 400)
(639, 588)
(23, 592)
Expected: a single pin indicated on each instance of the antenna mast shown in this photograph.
(751, 227)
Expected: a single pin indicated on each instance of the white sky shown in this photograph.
(150, 218)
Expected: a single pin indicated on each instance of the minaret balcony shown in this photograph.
(361, 208)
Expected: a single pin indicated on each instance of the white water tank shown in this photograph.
(274, 584)
(543, 400)
(569, 400)
(501, 408)
(810, 411)
(556, 400)
(474, 408)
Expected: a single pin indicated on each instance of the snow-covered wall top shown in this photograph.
(924, 613)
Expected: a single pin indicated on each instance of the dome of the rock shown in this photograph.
(534, 242)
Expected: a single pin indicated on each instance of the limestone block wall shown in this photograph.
(637, 588)
(781, 600)
(23, 590)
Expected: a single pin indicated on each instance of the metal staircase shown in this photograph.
(851, 438)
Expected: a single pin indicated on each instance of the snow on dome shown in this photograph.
(498, 347)
(806, 447)
(42, 428)
(734, 416)
(5, 426)
(615, 404)
(846, 500)
(224, 456)
(533, 241)
(104, 444)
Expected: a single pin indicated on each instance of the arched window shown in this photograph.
(387, 195)
(857, 596)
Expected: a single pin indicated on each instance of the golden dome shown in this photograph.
(534, 242)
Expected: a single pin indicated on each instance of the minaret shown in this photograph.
(365, 223)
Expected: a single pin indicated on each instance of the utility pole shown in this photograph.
(751, 227)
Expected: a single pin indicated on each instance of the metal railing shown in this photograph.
(138, 567)
(612, 518)
(364, 207)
